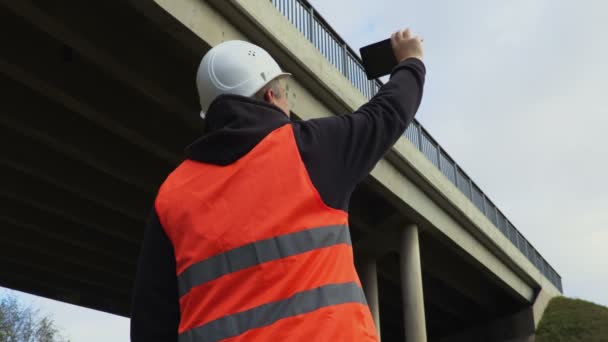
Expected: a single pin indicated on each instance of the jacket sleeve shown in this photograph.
(340, 151)
(155, 304)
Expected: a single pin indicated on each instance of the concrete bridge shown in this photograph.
(99, 101)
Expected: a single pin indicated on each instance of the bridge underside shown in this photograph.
(98, 103)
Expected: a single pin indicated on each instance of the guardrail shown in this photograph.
(303, 16)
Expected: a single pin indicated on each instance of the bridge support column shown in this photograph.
(369, 280)
(411, 284)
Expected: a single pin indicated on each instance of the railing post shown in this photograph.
(344, 58)
(439, 158)
(292, 13)
(313, 36)
(419, 129)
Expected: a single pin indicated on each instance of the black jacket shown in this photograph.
(338, 152)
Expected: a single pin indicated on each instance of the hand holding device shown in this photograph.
(381, 57)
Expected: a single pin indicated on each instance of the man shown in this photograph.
(249, 238)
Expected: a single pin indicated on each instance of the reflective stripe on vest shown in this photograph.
(300, 303)
(261, 251)
(259, 256)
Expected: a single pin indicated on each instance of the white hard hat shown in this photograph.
(234, 67)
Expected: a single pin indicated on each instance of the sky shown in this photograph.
(515, 94)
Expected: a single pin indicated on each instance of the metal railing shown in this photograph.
(303, 16)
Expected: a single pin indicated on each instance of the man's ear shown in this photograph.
(268, 95)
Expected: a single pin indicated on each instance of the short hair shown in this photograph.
(275, 85)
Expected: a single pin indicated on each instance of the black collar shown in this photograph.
(233, 126)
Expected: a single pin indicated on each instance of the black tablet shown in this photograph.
(378, 59)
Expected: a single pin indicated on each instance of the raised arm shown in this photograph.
(340, 151)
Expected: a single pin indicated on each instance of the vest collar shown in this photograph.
(233, 126)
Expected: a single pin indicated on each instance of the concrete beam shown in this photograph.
(517, 327)
(18, 184)
(57, 94)
(385, 238)
(443, 265)
(85, 218)
(119, 204)
(445, 304)
(381, 239)
(61, 251)
(170, 25)
(70, 238)
(410, 199)
(59, 289)
(420, 171)
(213, 27)
(76, 153)
(15, 257)
(540, 304)
(104, 59)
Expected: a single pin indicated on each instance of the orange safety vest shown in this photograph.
(259, 255)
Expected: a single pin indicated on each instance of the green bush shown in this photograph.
(573, 320)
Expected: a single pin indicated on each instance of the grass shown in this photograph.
(573, 320)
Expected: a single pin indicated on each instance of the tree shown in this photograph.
(19, 323)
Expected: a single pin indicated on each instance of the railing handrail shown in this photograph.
(328, 27)
(416, 133)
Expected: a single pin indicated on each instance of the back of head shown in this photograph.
(234, 67)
